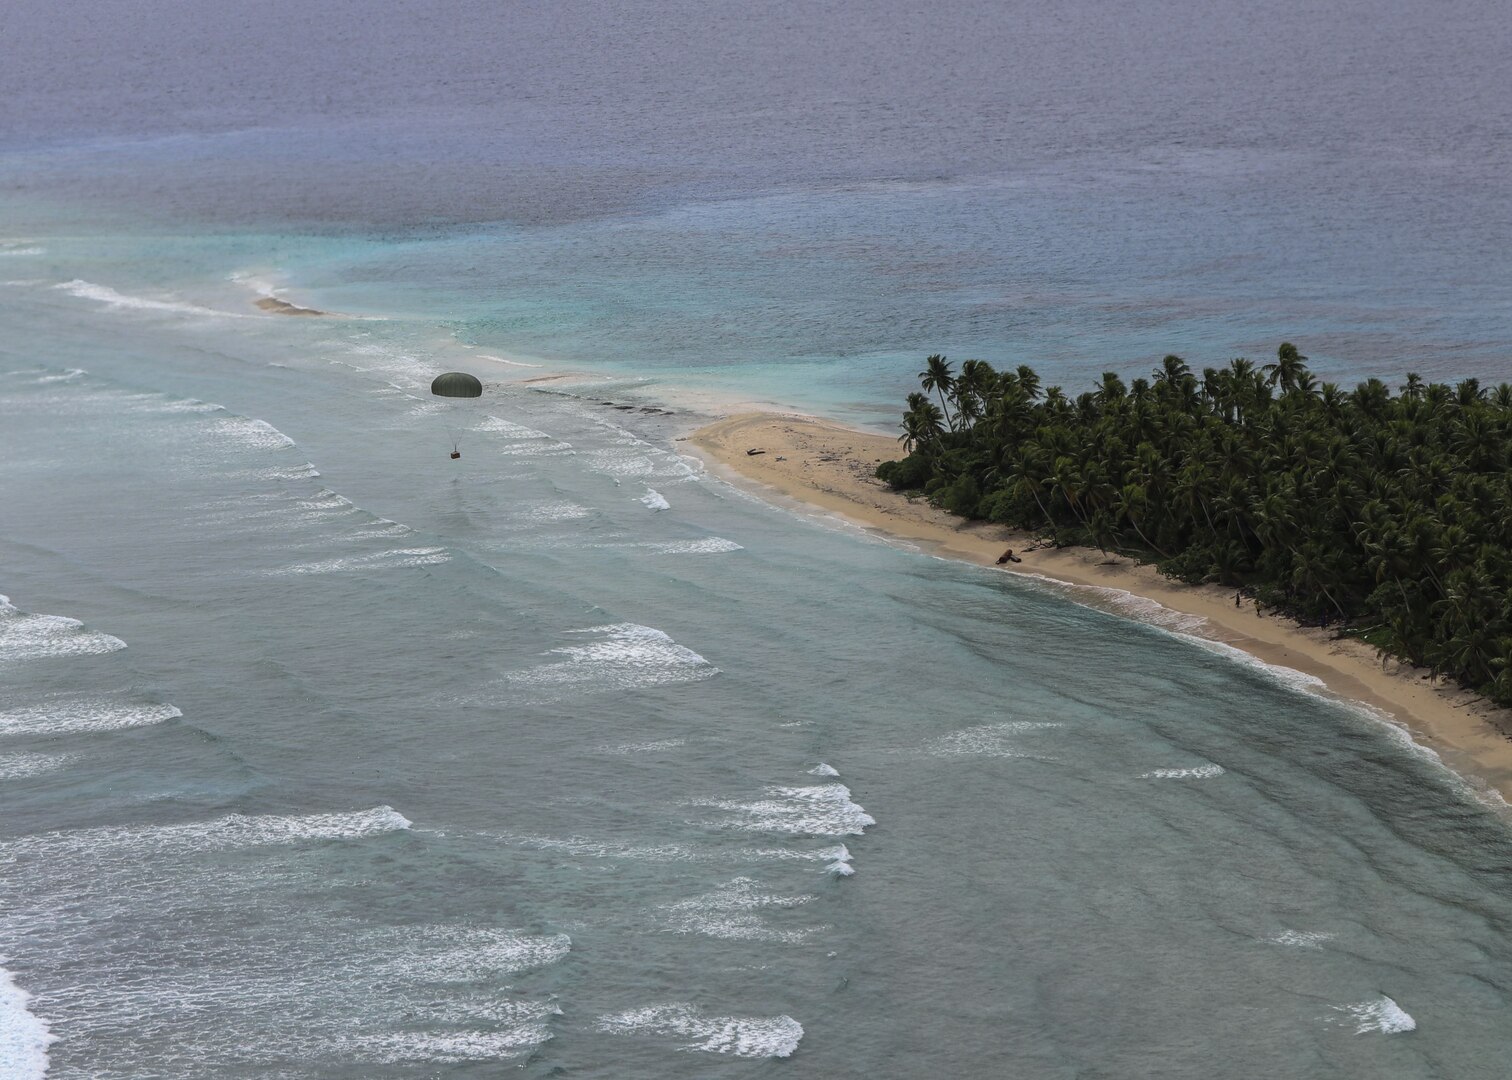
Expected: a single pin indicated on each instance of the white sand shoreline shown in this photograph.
(817, 464)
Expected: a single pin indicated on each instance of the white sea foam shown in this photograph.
(534, 449)
(24, 636)
(1145, 610)
(547, 513)
(734, 912)
(739, 1036)
(67, 375)
(380, 529)
(508, 1011)
(1197, 772)
(1379, 1014)
(583, 847)
(467, 954)
(838, 861)
(655, 500)
(257, 283)
(285, 511)
(1122, 602)
(836, 858)
(1301, 939)
(506, 360)
(1190, 626)
(397, 1048)
(21, 247)
(18, 766)
(628, 656)
(217, 834)
(24, 1037)
(72, 715)
(382, 560)
(822, 769)
(986, 740)
(326, 499)
(645, 462)
(306, 471)
(816, 810)
(88, 290)
(709, 545)
(655, 747)
(1297, 680)
(246, 433)
(509, 428)
(162, 403)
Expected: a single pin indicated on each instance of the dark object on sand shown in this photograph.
(456, 384)
(1007, 557)
(754, 451)
(456, 454)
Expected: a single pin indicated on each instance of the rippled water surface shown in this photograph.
(323, 754)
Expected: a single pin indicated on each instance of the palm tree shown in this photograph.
(936, 376)
(1392, 511)
(1288, 370)
(1110, 390)
(1132, 503)
(971, 389)
(922, 424)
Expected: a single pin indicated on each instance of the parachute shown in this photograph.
(456, 384)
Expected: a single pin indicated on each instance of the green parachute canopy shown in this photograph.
(457, 384)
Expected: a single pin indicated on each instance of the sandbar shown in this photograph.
(275, 306)
(828, 466)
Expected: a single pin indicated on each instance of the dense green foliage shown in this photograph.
(1388, 515)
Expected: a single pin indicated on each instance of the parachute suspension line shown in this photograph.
(456, 384)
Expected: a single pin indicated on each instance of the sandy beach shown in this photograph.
(830, 467)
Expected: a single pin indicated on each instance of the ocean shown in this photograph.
(323, 754)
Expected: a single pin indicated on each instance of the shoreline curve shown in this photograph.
(824, 465)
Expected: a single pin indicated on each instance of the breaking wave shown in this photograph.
(71, 715)
(628, 656)
(1377, 1015)
(734, 911)
(218, 834)
(815, 810)
(739, 1036)
(24, 636)
(88, 290)
(1199, 772)
(24, 1037)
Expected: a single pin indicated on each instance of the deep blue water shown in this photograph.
(567, 757)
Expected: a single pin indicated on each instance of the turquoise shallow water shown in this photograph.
(364, 762)
(325, 755)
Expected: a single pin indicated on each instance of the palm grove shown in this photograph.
(1388, 515)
